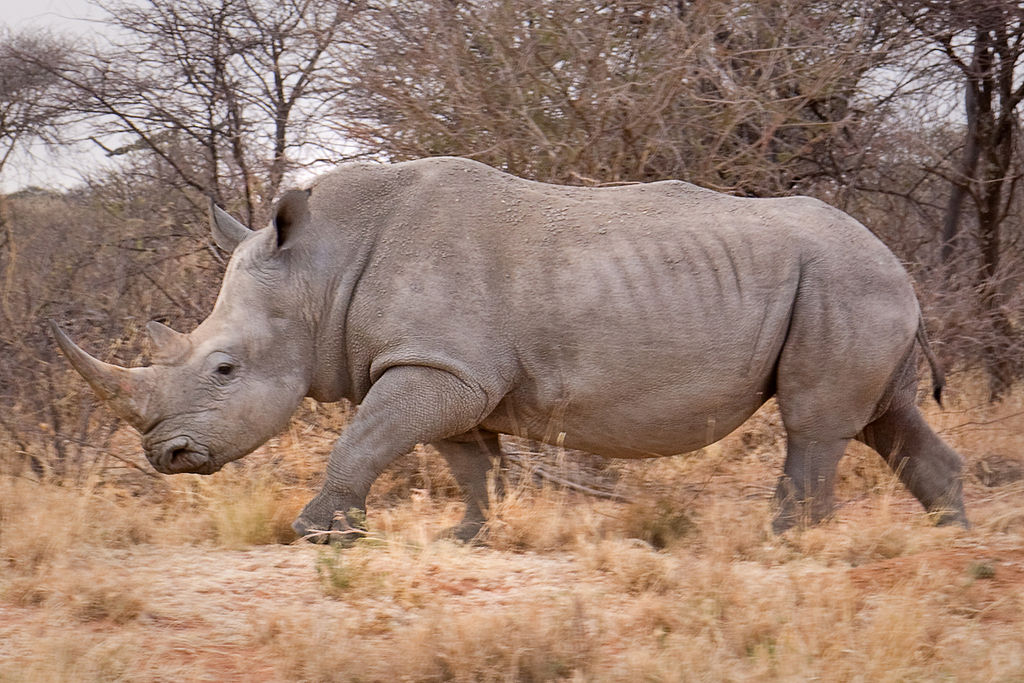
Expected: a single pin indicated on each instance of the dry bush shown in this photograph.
(635, 567)
(41, 523)
(547, 642)
(83, 595)
(342, 573)
(416, 521)
(660, 522)
(421, 473)
(528, 519)
(228, 98)
(883, 532)
(77, 657)
(1005, 514)
(250, 508)
(750, 100)
(530, 642)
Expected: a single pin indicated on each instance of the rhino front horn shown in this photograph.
(121, 388)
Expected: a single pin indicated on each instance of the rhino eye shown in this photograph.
(225, 369)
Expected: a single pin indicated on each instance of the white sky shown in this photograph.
(58, 14)
(38, 165)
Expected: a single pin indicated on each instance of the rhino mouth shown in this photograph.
(181, 455)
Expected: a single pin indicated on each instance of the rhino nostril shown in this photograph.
(177, 455)
(175, 447)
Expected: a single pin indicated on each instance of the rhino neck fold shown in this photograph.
(334, 367)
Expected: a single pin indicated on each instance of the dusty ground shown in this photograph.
(205, 611)
(187, 578)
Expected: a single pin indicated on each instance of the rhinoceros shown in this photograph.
(453, 303)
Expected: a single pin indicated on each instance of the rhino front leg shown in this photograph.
(470, 458)
(408, 405)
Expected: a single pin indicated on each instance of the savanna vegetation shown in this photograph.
(904, 113)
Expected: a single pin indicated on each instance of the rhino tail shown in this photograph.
(938, 376)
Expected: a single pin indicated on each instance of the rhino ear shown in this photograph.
(226, 231)
(290, 215)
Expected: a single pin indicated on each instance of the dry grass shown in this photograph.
(187, 578)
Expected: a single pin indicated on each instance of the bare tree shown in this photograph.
(745, 98)
(982, 43)
(28, 106)
(228, 95)
(29, 109)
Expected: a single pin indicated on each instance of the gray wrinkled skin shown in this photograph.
(453, 302)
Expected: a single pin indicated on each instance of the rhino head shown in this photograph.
(216, 394)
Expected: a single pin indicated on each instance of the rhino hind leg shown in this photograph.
(929, 468)
(470, 460)
(805, 492)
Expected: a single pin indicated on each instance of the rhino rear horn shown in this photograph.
(227, 232)
(121, 388)
(168, 345)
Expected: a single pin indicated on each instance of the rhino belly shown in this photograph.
(650, 419)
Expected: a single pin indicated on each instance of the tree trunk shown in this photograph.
(964, 174)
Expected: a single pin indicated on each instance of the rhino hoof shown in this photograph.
(345, 529)
(470, 533)
(950, 518)
(304, 529)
